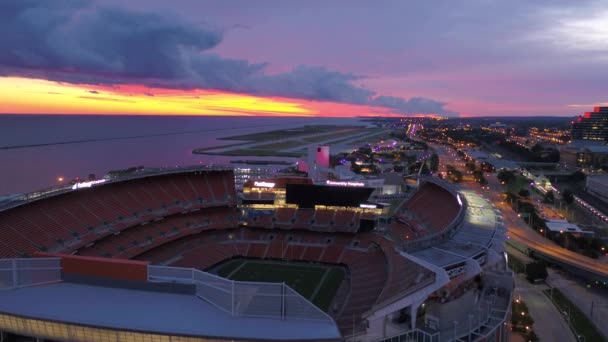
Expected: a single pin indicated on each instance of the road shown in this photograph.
(549, 323)
(540, 307)
(517, 229)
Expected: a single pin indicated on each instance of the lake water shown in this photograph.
(153, 141)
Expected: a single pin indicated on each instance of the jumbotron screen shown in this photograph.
(307, 196)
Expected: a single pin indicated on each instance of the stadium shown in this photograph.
(179, 255)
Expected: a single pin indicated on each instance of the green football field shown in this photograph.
(318, 283)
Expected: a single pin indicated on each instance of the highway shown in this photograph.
(517, 229)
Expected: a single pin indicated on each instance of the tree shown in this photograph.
(532, 337)
(578, 176)
(568, 196)
(549, 197)
(470, 166)
(456, 176)
(425, 169)
(536, 270)
(524, 193)
(483, 181)
(506, 176)
(434, 161)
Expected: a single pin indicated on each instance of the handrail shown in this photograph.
(56, 191)
(235, 297)
(22, 272)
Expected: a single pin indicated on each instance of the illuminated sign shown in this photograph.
(263, 184)
(368, 206)
(345, 183)
(87, 184)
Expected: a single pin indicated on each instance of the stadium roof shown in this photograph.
(152, 312)
(477, 234)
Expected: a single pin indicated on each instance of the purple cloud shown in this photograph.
(80, 42)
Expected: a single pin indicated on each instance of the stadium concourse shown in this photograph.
(178, 255)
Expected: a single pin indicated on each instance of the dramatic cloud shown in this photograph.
(413, 105)
(80, 42)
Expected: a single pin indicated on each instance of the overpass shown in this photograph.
(580, 265)
(536, 164)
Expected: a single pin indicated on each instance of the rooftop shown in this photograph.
(164, 313)
(555, 225)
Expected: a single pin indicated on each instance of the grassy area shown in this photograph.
(228, 267)
(336, 135)
(201, 150)
(256, 153)
(318, 283)
(288, 133)
(581, 324)
(278, 145)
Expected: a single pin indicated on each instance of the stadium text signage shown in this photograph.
(263, 184)
(345, 183)
(368, 206)
(87, 184)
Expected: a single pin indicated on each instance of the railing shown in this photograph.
(413, 335)
(54, 191)
(241, 298)
(16, 273)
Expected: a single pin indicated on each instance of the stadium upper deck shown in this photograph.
(189, 218)
(70, 219)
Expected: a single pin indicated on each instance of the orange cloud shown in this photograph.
(35, 96)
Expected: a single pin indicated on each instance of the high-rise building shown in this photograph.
(591, 125)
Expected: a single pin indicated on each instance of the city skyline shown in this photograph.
(314, 59)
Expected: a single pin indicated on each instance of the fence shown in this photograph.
(26, 272)
(415, 335)
(242, 298)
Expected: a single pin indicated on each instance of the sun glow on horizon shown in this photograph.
(35, 96)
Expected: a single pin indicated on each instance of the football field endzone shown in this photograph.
(316, 282)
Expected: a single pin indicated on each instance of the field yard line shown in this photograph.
(314, 294)
(237, 269)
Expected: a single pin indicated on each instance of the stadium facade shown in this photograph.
(156, 255)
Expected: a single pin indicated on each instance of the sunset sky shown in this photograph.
(303, 58)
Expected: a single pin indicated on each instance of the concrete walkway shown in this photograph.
(549, 323)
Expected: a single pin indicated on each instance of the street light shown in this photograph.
(469, 337)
